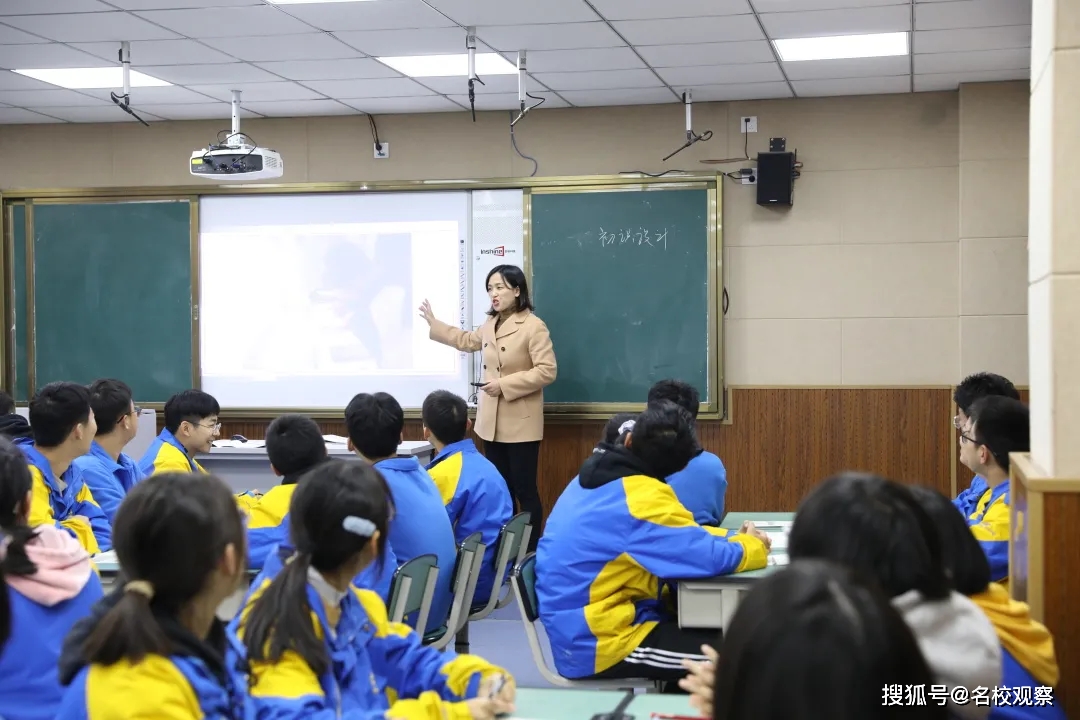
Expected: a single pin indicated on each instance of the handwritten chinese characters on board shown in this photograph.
(634, 236)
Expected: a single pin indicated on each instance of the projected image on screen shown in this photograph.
(299, 313)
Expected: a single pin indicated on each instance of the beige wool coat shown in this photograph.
(520, 356)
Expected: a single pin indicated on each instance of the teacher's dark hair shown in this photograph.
(515, 280)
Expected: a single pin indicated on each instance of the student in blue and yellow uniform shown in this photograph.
(106, 469)
(1027, 648)
(317, 647)
(191, 424)
(702, 484)
(154, 647)
(295, 445)
(375, 424)
(64, 427)
(474, 493)
(996, 427)
(616, 533)
(972, 388)
(49, 584)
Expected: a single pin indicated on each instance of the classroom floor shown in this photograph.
(500, 639)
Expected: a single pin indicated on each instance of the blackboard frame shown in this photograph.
(716, 408)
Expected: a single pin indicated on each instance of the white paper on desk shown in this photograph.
(227, 443)
(778, 559)
(107, 557)
(779, 540)
(335, 439)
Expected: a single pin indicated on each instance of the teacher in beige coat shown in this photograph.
(518, 363)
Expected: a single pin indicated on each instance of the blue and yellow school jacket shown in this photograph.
(986, 510)
(29, 687)
(1027, 659)
(376, 666)
(701, 487)
(66, 502)
(191, 684)
(476, 499)
(614, 535)
(420, 526)
(109, 480)
(166, 454)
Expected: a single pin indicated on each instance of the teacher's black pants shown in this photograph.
(517, 462)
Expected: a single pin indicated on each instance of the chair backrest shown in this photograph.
(525, 580)
(408, 586)
(513, 533)
(466, 551)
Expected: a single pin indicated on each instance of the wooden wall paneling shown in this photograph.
(1061, 552)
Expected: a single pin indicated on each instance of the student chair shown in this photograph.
(412, 590)
(512, 544)
(523, 583)
(466, 573)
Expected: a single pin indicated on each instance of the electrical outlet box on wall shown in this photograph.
(382, 150)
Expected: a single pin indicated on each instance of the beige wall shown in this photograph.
(902, 261)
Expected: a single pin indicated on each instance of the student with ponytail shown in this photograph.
(319, 648)
(154, 647)
(48, 585)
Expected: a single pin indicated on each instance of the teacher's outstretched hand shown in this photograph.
(517, 363)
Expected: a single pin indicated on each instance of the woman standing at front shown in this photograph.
(518, 363)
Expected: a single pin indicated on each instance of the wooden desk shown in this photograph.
(711, 603)
(563, 704)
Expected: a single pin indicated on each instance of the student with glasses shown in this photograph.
(107, 470)
(967, 392)
(191, 424)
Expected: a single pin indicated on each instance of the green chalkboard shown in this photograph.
(112, 294)
(622, 280)
(18, 240)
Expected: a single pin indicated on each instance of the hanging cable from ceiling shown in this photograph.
(470, 47)
(523, 94)
(691, 137)
(124, 101)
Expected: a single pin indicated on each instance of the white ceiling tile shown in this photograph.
(102, 113)
(511, 38)
(169, 95)
(651, 9)
(50, 7)
(741, 91)
(971, 39)
(751, 51)
(13, 81)
(48, 98)
(697, 75)
(215, 74)
(90, 27)
(195, 111)
(773, 6)
(403, 105)
(18, 116)
(302, 108)
(644, 96)
(509, 101)
(158, 52)
(420, 41)
(258, 92)
(689, 30)
(853, 86)
(460, 85)
(515, 12)
(176, 4)
(11, 36)
(308, 46)
(852, 21)
(848, 68)
(379, 87)
(616, 58)
(225, 22)
(973, 61)
(330, 69)
(601, 80)
(971, 13)
(951, 81)
(51, 55)
(382, 15)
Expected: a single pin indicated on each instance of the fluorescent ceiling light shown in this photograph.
(99, 78)
(450, 65)
(842, 46)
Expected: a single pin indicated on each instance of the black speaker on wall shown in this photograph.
(776, 179)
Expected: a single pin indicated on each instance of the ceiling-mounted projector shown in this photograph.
(238, 159)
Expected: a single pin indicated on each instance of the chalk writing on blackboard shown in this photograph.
(634, 236)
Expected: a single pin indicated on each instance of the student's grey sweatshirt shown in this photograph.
(959, 645)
